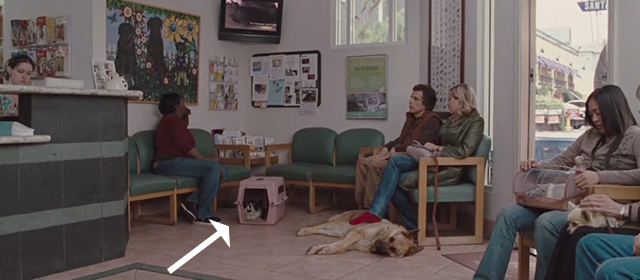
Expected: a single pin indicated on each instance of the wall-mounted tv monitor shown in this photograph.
(250, 21)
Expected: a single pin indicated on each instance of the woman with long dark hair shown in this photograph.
(611, 150)
(610, 115)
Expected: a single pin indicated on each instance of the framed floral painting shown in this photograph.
(155, 49)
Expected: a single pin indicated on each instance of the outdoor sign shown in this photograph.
(593, 6)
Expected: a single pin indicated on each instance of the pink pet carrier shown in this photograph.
(261, 200)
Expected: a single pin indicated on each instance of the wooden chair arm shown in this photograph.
(269, 149)
(246, 152)
(425, 162)
(617, 192)
(450, 161)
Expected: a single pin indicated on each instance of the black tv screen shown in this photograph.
(250, 20)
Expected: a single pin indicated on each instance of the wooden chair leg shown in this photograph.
(137, 211)
(453, 215)
(173, 209)
(312, 198)
(523, 259)
(215, 204)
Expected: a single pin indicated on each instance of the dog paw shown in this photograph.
(318, 250)
(302, 232)
(315, 250)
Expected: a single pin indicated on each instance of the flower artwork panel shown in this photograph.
(155, 49)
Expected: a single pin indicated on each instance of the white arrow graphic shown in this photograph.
(221, 231)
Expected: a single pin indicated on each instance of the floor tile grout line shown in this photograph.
(343, 276)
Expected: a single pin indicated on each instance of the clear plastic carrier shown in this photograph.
(550, 188)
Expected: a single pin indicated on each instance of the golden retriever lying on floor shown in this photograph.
(384, 237)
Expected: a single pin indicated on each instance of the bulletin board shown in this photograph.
(286, 79)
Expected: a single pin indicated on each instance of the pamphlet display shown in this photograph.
(46, 41)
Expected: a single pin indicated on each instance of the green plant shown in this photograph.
(547, 102)
(369, 29)
(544, 90)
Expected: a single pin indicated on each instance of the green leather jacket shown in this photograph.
(460, 138)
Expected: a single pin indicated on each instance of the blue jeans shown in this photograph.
(206, 170)
(403, 203)
(396, 167)
(512, 219)
(606, 256)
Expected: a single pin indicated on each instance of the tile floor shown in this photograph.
(269, 252)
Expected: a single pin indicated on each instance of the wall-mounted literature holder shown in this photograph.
(285, 79)
(46, 41)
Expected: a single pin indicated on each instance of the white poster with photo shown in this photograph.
(309, 63)
(309, 101)
(258, 66)
(291, 93)
(277, 71)
(292, 67)
(260, 90)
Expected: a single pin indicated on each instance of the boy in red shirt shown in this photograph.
(176, 155)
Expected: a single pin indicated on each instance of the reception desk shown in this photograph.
(63, 192)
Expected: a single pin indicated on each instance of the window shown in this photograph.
(369, 22)
(565, 44)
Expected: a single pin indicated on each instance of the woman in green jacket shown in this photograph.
(459, 137)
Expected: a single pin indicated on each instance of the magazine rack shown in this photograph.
(547, 188)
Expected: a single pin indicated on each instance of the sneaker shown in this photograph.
(190, 209)
(205, 221)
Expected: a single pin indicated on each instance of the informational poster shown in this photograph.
(367, 87)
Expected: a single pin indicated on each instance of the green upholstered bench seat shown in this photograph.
(341, 174)
(147, 182)
(235, 173)
(465, 192)
(186, 182)
(296, 171)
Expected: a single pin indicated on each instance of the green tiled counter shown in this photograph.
(64, 200)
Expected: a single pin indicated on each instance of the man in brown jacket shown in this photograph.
(422, 125)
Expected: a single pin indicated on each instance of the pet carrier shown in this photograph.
(261, 200)
(547, 188)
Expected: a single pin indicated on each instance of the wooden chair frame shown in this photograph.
(526, 241)
(173, 194)
(478, 236)
(313, 206)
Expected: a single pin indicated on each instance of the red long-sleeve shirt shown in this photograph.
(173, 139)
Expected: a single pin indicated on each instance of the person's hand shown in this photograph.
(636, 245)
(528, 164)
(388, 154)
(383, 153)
(602, 204)
(430, 146)
(584, 178)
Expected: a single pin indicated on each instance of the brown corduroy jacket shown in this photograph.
(423, 129)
